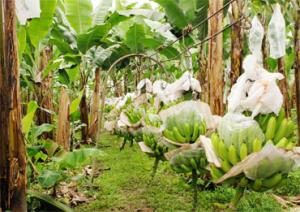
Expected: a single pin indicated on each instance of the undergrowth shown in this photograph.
(126, 186)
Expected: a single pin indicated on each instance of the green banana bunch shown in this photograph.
(186, 127)
(188, 160)
(278, 129)
(134, 114)
(153, 120)
(230, 156)
(152, 142)
(267, 183)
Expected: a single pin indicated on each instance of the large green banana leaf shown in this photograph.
(79, 14)
(38, 28)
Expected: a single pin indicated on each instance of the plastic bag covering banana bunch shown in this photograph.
(264, 169)
(132, 116)
(27, 9)
(249, 160)
(144, 86)
(109, 126)
(127, 98)
(276, 34)
(112, 114)
(186, 121)
(176, 90)
(255, 90)
(158, 88)
(237, 129)
(152, 120)
(152, 143)
(256, 36)
(187, 158)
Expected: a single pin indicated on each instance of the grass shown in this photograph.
(127, 186)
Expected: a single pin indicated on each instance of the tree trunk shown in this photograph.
(202, 74)
(95, 106)
(63, 127)
(84, 116)
(283, 85)
(297, 65)
(215, 59)
(12, 146)
(236, 43)
(44, 93)
(125, 82)
(117, 87)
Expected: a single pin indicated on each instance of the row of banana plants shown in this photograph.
(252, 147)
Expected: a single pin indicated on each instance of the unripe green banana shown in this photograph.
(290, 145)
(169, 134)
(202, 163)
(225, 165)
(187, 131)
(290, 128)
(265, 122)
(153, 146)
(215, 142)
(185, 168)
(272, 181)
(280, 118)
(271, 128)
(204, 128)
(282, 143)
(195, 132)
(244, 182)
(171, 123)
(232, 155)
(270, 142)
(178, 136)
(281, 131)
(256, 186)
(177, 169)
(193, 163)
(256, 145)
(216, 173)
(243, 151)
(223, 152)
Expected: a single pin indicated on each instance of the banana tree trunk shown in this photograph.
(84, 116)
(126, 82)
(283, 85)
(44, 92)
(202, 74)
(63, 127)
(12, 145)
(95, 106)
(215, 59)
(297, 65)
(236, 42)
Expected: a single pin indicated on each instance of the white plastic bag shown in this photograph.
(276, 34)
(144, 85)
(27, 9)
(256, 36)
(240, 89)
(176, 90)
(123, 101)
(235, 129)
(264, 95)
(256, 90)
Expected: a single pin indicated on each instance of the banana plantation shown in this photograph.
(150, 105)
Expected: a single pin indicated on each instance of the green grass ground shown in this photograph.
(127, 186)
